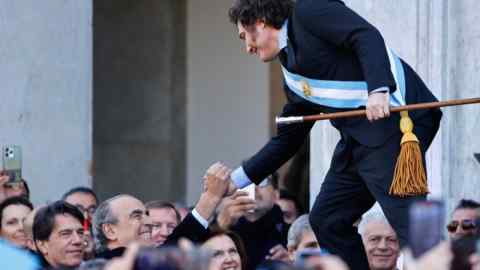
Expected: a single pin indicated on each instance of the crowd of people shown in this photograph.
(332, 60)
(221, 231)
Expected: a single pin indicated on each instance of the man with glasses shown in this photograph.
(464, 219)
(86, 201)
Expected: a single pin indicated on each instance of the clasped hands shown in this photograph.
(235, 204)
(217, 181)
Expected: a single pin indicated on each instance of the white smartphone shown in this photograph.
(250, 189)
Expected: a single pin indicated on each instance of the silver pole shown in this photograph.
(288, 120)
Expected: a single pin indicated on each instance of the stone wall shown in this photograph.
(46, 92)
(139, 98)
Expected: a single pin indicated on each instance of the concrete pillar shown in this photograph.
(461, 125)
(46, 96)
(140, 98)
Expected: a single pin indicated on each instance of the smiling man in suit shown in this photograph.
(334, 60)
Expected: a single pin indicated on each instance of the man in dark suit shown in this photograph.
(333, 60)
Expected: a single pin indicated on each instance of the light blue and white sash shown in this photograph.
(345, 94)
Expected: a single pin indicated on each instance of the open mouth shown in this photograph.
(161, 240)
(145, 235)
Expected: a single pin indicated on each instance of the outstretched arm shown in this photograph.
(195, 225)
(277, 151)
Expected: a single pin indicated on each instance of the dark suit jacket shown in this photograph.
(262, 235)
(189, 228)
(329, 41)
(111, 253)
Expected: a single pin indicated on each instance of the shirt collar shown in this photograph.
(283, 36)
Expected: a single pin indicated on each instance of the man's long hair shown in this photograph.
(272, 12)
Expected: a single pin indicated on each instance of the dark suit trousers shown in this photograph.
(359, 176)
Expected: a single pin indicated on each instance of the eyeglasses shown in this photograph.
(90, 210)
(467, 225)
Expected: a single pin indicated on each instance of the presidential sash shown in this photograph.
(345, 94)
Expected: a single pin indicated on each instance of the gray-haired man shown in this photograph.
(300, 236)
(380, 241)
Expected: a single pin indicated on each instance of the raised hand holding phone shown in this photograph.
(12, 162)
(250, 190)
(3, 181)
(233, 208)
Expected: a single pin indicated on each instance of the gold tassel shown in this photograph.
(409, 178)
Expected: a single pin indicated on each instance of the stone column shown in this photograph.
(46, 92)
(140, 98)
(461, 125)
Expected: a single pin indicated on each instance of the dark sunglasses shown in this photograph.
(467, 225)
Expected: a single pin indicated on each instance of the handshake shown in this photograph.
(217, 182)
(231, 204)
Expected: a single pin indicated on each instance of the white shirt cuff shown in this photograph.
(240, 178)
(381, 89)
(199, 218)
